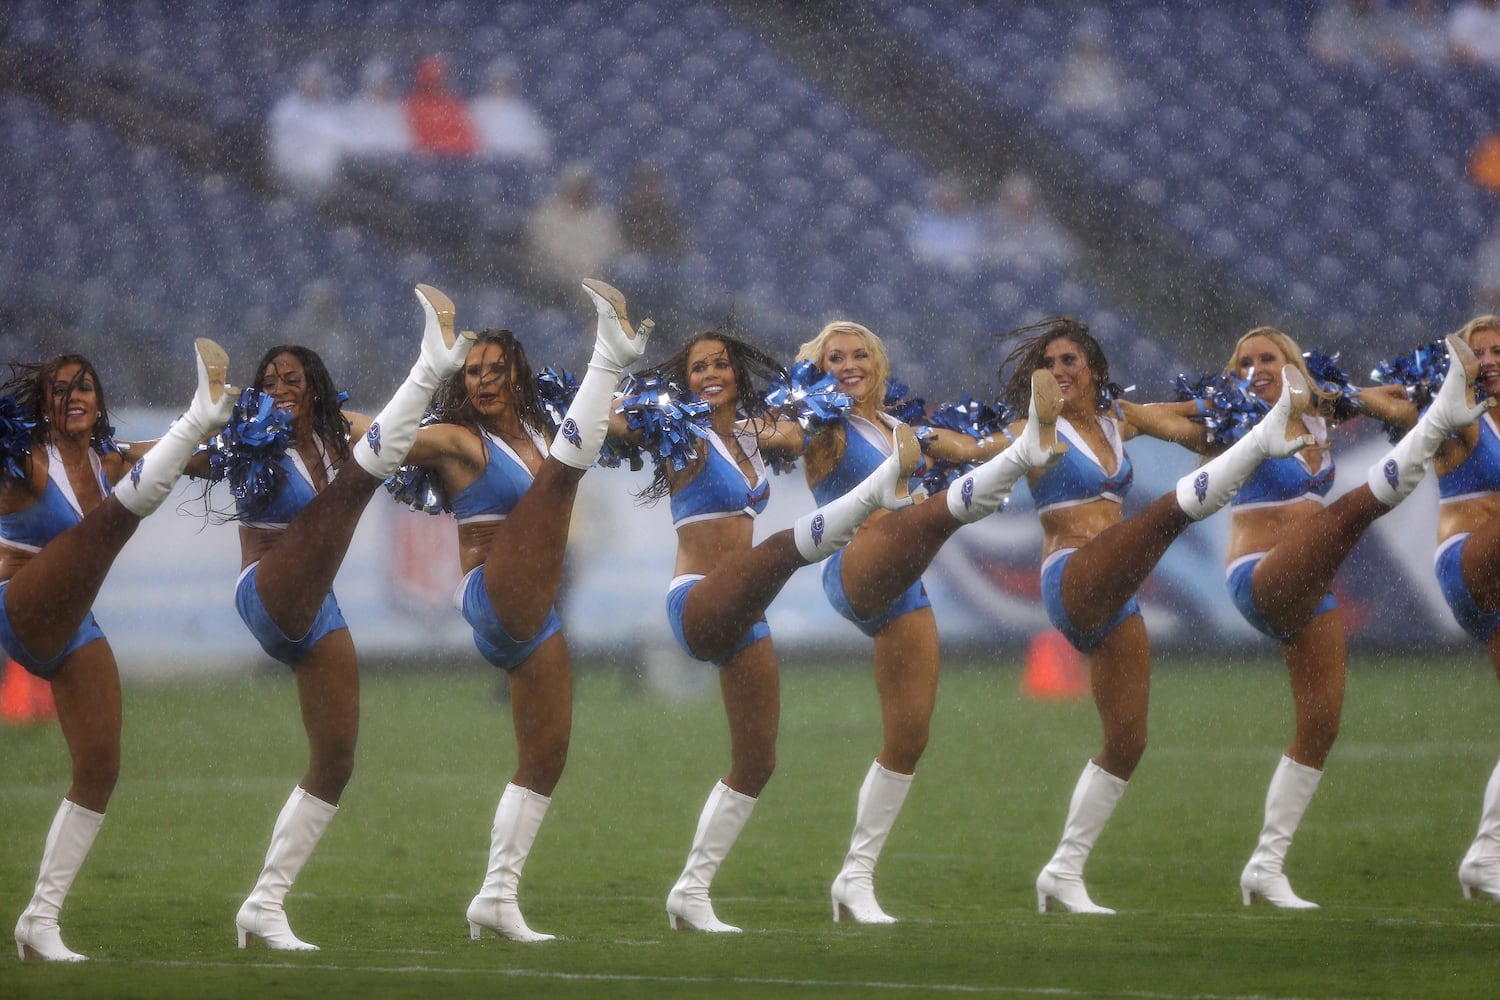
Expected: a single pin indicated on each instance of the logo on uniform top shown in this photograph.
(569, 432)
(966, 492)
(1200, 486)
(135, 472)
(1392, 474)
(372, 437)
(817, 528)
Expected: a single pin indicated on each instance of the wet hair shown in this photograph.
(452, 397)
(1026, 357)
(753, 368)
(814, 350)
(30, 385)
(1473, 326)
(328, 420)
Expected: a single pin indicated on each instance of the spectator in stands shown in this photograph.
(1095, 559)
(572, 234)
(947, 231)
(1351, 34)
(295, 529)
(513, 495)
(1474, 33)
(374, 118)
(1090, 81)
(1020, 229)
(509, 127)
(306, 137)
(1287, 540)
(438, 118)
(70, 498)
(652, 222)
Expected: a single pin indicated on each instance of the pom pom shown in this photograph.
(809, 396)
(248, 451)
(1420, 371)
(15, 439)
(666, 423)
(904, 407)
(417, 486)
(970, 417)
(1230, 408)
(555, 389)
(1333, 382)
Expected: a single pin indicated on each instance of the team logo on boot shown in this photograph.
(817, 529)
(135, 472)
(1200, 486)
(1392, 474)
(569, 432)
(372, 437)
(966, 492)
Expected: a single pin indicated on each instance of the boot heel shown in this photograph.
(475, 931)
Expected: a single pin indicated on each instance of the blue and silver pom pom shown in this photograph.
(900, 404)
(16, 426)
(555, 389)
(248, 451)
(666, 423)
(808, 396)
(1229, 408)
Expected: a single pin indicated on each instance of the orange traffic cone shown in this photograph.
(24, 697)
(1055, 671)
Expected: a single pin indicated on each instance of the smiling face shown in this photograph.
(847, 357)
(285, 381)
(1066, 360)
(1485, 343)
(710, 374)
(1260, 360)
(72, 401)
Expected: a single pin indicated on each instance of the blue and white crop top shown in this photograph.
(865, 447)
(721, 489)
(54, 512)
(505, 479)
(1480, 472)
(1079, 476)
(1277, 482)
(295, 493)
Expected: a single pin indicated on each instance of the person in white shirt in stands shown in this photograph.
(509, 127)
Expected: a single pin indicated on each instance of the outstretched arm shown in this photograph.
(1167, 422)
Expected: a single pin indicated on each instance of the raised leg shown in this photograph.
(981, 492)
(829, 528)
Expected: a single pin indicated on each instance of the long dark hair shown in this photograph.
(30, 385)
(329, 422)
(754, 370)
(452, 397)
(1026, 357)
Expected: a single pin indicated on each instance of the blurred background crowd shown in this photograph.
(942, 171)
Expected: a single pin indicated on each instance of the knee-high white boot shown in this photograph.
(583, 429)
(829, 528)
(518, 817)
(1393, 478)
(298, 829)
(981, 492)
(1262, 881)
(383, 447)
(151, 479)
(724, 816)
(68, 841)
(1060, 884)
(880, 800)
(1215, 483)
(1479, 873)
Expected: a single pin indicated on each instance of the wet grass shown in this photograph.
(207, 765)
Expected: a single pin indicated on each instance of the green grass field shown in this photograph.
(207, 766)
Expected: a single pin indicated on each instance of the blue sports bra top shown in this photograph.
(296, 492)
(721, 489)
(1079, 476)
(1277, 482)
(54, 512)
(1480, 472)
(500, 486)
(865, 447)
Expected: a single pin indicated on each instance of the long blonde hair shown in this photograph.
(1293, 354)
(814, 350)
(1473, 326)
